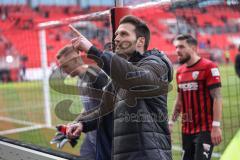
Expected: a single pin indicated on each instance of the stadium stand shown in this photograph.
(211, 26)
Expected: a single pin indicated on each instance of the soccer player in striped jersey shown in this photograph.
(198, 100)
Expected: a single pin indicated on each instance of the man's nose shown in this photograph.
(117, 39)
(116, 42)
(177, 50)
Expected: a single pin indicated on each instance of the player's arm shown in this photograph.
(87, 121)
(176, 111)
(216, 133)
(177, 108)
(217, 104)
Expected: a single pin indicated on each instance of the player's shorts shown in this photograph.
(197, 146)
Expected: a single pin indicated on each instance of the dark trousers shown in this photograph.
(88, 148)
(197, 146)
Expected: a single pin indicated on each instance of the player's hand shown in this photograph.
(74, 130)
(170, 126)
(216, 135)
(80, 43)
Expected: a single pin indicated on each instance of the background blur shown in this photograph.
(27, 102)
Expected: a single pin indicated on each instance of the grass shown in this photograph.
(24, 101)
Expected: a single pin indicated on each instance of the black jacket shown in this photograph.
(237, 64)
(138, 99)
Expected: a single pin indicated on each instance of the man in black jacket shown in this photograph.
(137, 95)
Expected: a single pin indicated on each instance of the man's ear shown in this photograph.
(140, 42)
(194, 48)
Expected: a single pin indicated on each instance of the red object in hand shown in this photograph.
(62, 128)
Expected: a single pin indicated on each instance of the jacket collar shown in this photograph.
(135, 57)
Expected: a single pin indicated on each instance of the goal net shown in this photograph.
(28, 103)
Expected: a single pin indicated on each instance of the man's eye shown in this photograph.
(180, 47)
(123, 33)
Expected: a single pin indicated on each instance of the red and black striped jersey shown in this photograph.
(194, 85)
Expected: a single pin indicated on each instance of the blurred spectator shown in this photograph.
(216, 54)
(237, 62)
(4, 13)
(223, 18)
(17, 22)
(227, 56)
(66, 10)
(5, 76)
(22, 68)
(46, 14)
(28, 24)
(208, 43)
(57, 37)
(37, 9)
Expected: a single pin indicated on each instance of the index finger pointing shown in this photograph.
(74, 30)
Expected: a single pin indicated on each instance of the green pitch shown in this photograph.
(23, 102)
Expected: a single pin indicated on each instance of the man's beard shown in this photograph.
(124, 46)
(184, 60)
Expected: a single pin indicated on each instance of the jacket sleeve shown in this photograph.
(237, 64)
(149, 74)
(91, 118)
(97, 78)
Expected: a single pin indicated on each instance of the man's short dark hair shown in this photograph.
(141, 28)
(189, 39)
